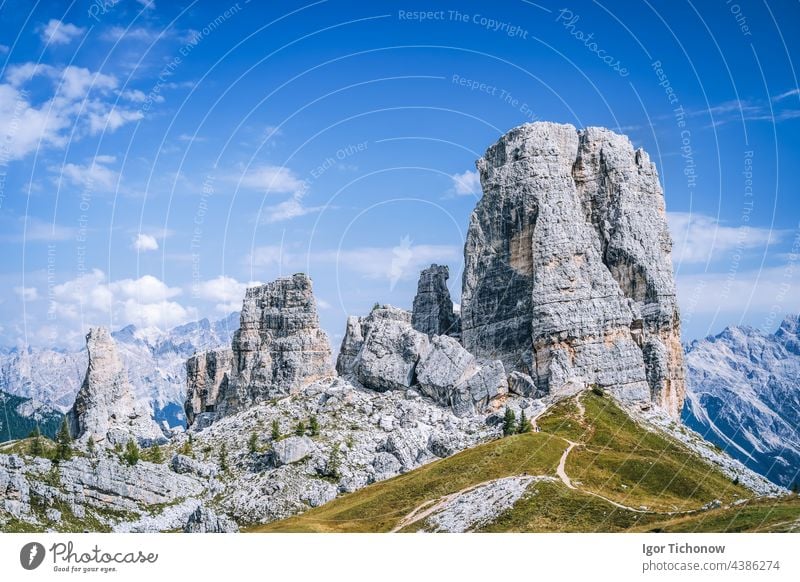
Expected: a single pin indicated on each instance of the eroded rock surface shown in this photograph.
(433, 312)
(206, 375)
(568, 272)
(105, 408)
(279, 347)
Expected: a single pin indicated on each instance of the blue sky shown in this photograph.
(157, 157)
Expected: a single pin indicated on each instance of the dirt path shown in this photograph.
(431, 506)
(560, 471)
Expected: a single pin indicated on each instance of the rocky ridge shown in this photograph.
(743, 396)
(567, 265)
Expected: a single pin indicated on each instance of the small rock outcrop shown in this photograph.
(382, 351)
(279, 347)
(206, 375)
(204, 520)
(105, 408)
(433, 312)
(568, 274)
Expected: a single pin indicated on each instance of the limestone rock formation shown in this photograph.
(568, 274)
(204, 520)
(279, 347)
(390, 350)
(105, 408)
(206, 375)
(433, 309)
(382, 351)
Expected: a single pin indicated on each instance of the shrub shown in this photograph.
(313, 426)
(223, 457)
(276, 430)
(155, 454)
(90, 445)
(252, 442)
(186, 449)
(300, 429)
(131, 455)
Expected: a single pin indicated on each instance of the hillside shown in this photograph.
(19, 416)
(591, 467)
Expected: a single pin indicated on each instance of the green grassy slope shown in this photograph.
(614, 458)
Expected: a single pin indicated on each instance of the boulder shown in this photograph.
(204, 520)
(291, 450)
(444, 366)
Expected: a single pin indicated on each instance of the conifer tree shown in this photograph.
(524, 424)
(131, 452)
(63, 442)
(276, 430)
(509, 422)
(252, 443)
(313, 426)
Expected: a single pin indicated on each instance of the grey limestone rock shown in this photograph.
(105, 408)
(568, 273)
(433, 308)
(291, 450)
(206, 376)
(444, 366)
(204, 520)
(279, 347)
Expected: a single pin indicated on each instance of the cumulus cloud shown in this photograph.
(467, 183)
(145, 242)
(58, 32)
(288, 209)
(699, 238)
(145, 302)
(271, 179)
(225, 291)
(75, 107)
(27, 293)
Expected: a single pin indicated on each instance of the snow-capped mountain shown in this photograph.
(743, 394)
(154, 359)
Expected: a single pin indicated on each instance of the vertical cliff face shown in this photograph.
(206, 376)
(568, 274)
(433, 308)
(279, 347)
(105, 408)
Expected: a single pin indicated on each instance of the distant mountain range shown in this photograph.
(743, 394)
(155, 361)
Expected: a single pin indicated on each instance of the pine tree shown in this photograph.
(35, 433)
(300, 430)
(313, 425)
(156, 455)
(90, 445)
(223, 457)
(509, 422)
(252, 444)
(36, 448)
(334, 464)
(63, 442)
(131, 452)
(524, 424)
(276, 430)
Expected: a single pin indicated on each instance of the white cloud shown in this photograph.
(75, 108)
(288, 209)
(272, 179)
(774, 288)
(400, 262)
(145, 302)
(94, 176)
(266, 256)
(27, 293)
(145, 242)
(58, 32)
(227, 292)
(40, 230)
(699, 238)
(467, 183)
(322, 304)
(789, 93)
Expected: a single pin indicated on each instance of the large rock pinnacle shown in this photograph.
(279, 347)
(105, 408)
(568, 274)
(206, 377)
